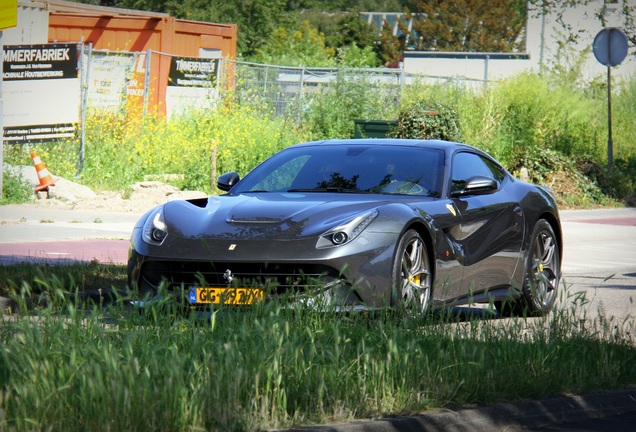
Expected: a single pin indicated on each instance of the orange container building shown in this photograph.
(129, 30)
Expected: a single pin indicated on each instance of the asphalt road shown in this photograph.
(599, 257)
(599, 263)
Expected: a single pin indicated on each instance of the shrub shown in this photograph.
(561, 174)
(333, 108)
(617, 183)
(428, 120)
(15, 189)
(531, 112)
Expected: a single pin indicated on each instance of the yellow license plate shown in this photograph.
(231, 296)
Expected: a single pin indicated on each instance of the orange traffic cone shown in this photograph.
(44, 175)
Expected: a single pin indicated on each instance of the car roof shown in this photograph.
(425, 143)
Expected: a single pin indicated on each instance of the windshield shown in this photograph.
(349, 168)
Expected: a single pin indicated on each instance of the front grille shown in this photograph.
(278, 278)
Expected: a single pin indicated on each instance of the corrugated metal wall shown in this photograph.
(163, 34)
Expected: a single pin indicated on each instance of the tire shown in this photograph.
(411, 275)
(542, 275)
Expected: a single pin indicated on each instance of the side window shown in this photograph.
(467, 165)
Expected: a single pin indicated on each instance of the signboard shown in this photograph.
(41, 92)
(191, 84)
(8, 14)
(108, 80)
(610, 46)
(136, 88)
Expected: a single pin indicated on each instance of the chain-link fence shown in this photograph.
(290, 90)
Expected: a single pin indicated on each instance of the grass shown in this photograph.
(84, 366)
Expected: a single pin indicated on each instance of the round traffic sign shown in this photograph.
(610, 46)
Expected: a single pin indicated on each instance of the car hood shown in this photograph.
(264, 215)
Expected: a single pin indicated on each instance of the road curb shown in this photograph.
(509, 417)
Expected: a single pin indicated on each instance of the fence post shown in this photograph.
(85, 68)
(146, 83)
(213, 163)
(302, 89)
(486, 70)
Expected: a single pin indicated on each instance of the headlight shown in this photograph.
(344, 234)
(155, 230)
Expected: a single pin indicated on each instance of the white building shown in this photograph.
(560, 37)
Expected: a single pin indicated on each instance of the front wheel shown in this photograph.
(411, 275)
(542, 276)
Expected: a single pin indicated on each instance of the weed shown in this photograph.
(15, 190)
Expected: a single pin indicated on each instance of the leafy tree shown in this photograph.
(345, 5)
(342, 28)
(303, 47)
(468, 25)
(355, 57)
(390, 46)
(256, 19)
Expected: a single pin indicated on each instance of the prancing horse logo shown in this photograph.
(228, 276)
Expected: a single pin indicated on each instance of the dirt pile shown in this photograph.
(142, 196)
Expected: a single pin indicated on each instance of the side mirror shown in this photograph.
(477, 185)
(226, 181)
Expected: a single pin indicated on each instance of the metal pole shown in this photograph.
(486, 70)
(1, 114)
(542, 38)
(85, 71)
(610, 144)
(147, 82)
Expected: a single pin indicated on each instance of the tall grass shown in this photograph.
(121, 151)
(80, 367)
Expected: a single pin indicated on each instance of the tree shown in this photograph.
(391, 47)
(468, 25)
(302, 47)
(256, 19)
(341, 28)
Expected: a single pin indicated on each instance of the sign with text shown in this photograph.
(191, 84)
(108, 80)
(41, 92)
(8, 14)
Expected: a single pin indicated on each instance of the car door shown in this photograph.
(490, 234)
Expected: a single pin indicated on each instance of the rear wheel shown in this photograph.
(411, 275)
(543, 273)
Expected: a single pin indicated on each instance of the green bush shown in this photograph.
(333, 108)
(15, 189)
(531, 112)
(618, 183)
(428, 120)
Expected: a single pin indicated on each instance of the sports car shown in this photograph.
(360, 224)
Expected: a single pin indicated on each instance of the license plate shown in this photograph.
(230, 296)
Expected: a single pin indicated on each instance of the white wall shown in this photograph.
(33, 25)
(544, 32)
(583, 25)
